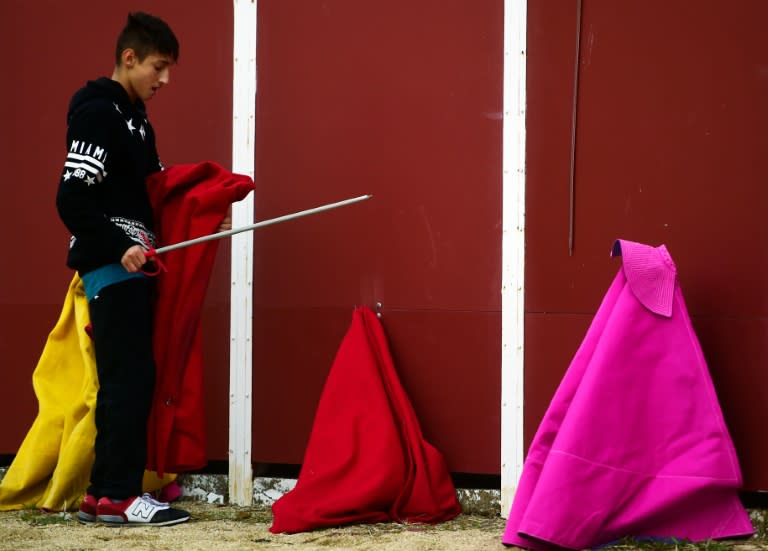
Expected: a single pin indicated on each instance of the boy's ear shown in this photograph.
(128, 58)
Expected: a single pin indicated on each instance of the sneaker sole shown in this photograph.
(117, 521)
(86, 518)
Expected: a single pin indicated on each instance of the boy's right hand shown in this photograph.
(133, 259)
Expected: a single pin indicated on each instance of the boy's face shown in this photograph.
(144, 78)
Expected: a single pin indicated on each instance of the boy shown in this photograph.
(102, 200)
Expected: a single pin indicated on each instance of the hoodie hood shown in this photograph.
(104, 89)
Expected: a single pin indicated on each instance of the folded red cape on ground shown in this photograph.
(366, 460)
(189, 201)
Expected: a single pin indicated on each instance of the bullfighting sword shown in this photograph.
(221, 235)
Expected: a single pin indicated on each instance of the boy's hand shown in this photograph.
(226, 223)
(133, 259)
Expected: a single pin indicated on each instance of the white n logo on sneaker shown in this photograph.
(142, 510)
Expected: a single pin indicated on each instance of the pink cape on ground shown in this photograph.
(633, 443)
(367, 460)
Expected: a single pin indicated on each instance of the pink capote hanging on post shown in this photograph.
(367, 460)
(633, 443)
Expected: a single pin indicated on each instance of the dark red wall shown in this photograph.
(670, 148)
(401, 100)
(51, 49)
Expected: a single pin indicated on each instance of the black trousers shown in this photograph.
(121, 315)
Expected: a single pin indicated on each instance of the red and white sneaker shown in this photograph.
(87, 512)
(139, 511)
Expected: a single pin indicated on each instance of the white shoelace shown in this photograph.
(161, 504)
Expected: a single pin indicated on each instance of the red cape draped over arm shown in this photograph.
(188, 201)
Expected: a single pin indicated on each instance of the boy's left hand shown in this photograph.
(226, 223)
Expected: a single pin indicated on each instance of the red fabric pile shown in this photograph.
(189, 201)
(366, 460)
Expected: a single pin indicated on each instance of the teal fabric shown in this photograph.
(96, 280)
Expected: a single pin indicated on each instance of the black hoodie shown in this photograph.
(101, 198)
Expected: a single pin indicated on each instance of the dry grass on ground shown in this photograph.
(229, 528)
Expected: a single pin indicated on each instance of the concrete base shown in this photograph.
(214, 489)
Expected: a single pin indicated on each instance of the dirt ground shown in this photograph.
(228, 528)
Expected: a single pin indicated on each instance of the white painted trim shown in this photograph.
(513, 248)
(241, 297)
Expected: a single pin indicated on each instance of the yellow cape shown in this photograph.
(53, 464)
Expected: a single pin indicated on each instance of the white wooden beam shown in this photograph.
(513, 248)
(241, 297)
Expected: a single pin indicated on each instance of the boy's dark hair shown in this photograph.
(146, 34)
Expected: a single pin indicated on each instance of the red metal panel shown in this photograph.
(550, 343)
(448, 363)
(433, 353)
(736, 351)
(401, 100)
(670, 149)
(293, 350)
(74, 41)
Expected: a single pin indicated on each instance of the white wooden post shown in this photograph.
(513, 248)
(241, 297)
